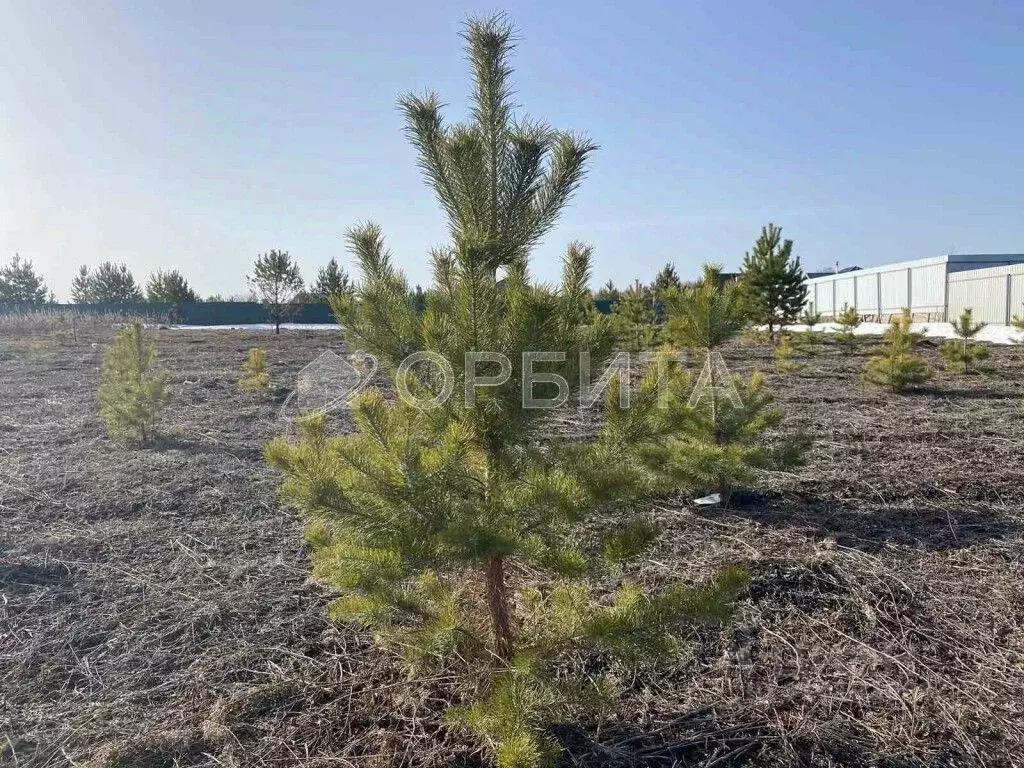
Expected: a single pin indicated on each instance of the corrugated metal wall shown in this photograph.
(867, 294)
(846, 292)
(894, 287)
(823, 297)
(928, 289)
(995, 294)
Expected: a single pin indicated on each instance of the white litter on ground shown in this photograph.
(993, 334)
(707, 501)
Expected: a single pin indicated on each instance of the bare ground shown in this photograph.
(156, 608)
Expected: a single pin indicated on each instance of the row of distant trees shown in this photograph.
(772, 274)
(772, 278)
(275, 275)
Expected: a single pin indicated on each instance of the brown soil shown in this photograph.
(156, 608)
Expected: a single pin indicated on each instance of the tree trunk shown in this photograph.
(497, 601)
(277, 327)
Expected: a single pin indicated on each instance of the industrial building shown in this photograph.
(936, 289)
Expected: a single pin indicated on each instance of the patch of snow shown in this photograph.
(259, 327)
(993, 334)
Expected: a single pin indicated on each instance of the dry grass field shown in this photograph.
(156, 608)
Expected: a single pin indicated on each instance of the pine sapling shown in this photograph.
(132, 393)
(731, 437)
(727, 420)
(962, 354)
(784, 355)
(810, 336)
(463, 530)
(896, 366)
(1018, 323)
(633, 319)
(774, 281)
(255, 376)
(848, 320)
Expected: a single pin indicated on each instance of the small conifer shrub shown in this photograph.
(132, 392)
(810, 336)
(848, 320)
(1018, 322)
(784, 355)
(962, 354)
(633, 319)
(255, 376)
(896, 366)
(726, 427)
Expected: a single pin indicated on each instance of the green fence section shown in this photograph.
(186, 313)
(197, 312)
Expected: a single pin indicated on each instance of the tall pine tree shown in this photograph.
(459, 531)
(109, 283)
(170, 286)
(774, 280)
(19, 282)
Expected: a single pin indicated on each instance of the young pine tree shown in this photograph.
(896, 366)
(277, 285)
(132, 393)
(848, 320)
(784, 355)
(330, 281)
(608, 292)
(727, 419)
(1018, 323)
(665, 282)
(810, 336)
(255, 376)
(82, 286)
(633, 319)
(962, 354)
(456, 527)
(774, 280)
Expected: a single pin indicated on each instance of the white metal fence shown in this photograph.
(881, 292)
(932, 289)
(995, 294)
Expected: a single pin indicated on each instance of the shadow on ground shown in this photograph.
(869, 528)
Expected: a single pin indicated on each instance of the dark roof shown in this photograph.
(843, 271)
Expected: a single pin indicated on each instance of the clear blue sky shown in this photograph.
(196, 134)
